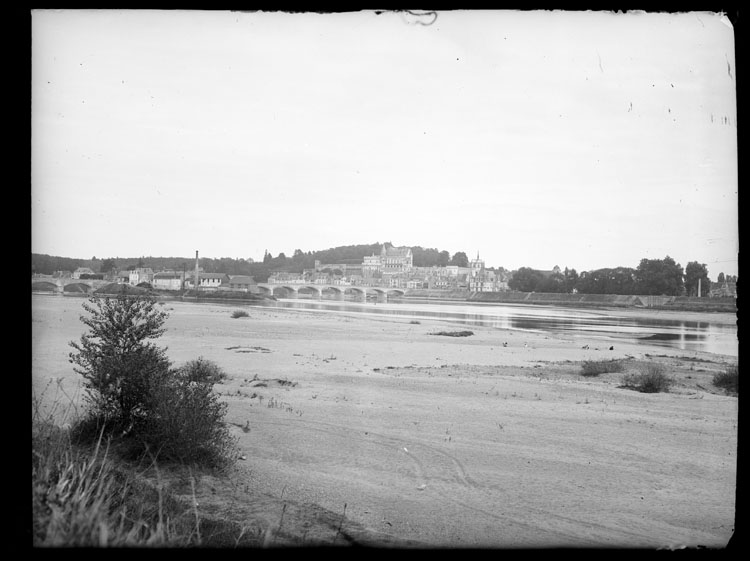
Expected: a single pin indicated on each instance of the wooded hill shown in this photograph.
(348, 254)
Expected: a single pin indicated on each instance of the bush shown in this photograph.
(203, 371)
(118, 364)
(239, 314)
(596, 367)
(187, 423)
(135, 392)
(729, 379)
(650, 379)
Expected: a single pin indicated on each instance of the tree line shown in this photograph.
(652, 277)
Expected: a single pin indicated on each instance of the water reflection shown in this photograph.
(685, 335)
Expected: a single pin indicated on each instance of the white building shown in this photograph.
(144, 274)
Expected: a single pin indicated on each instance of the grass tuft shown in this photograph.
(596, 367)
(650, 379)
(454, 333)
(729, 379)
(240, 314)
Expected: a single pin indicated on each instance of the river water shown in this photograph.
(704, 336)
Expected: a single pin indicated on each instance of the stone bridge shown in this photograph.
(50, 284)
(338, 291)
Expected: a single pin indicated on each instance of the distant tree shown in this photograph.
(571, 278)
(720, 278)
(459, 259)
(526, 279)
(267, 258)
(444, 259)
(425, 257)
(659, 277)
(693, 272)
(107, 266)
(553, 283)
(620, 280)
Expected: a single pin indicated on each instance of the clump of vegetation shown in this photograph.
(729, 379)
(239, 314)
(454, 333)
(186, 423)
(596, 367)
(81, 498)
(415, 322)
(203, 370)
(650, 379)
(134, 393)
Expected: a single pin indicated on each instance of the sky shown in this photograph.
(531, 138)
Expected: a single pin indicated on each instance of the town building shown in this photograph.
(143, 274)
(241, 283)
(392, 260)
(82, 272)
(168, 280)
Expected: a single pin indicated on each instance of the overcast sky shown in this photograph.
(536, 139)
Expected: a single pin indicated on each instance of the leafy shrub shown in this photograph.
(203, 370)
(118, 364)
(239, 314)
(135, 392)
(596, 367)
(729, 379)
(187, 423)
(650, 379)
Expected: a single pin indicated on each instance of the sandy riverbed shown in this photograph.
(375, 431)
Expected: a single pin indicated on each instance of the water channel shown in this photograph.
(705, 336)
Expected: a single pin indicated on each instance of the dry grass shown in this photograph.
(596, 367)
(651, 378)
(729, 379)
(86, 495)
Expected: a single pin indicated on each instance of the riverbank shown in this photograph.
(374, 430)
(666, 303)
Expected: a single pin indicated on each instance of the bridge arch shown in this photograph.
(291, 291)
(316, 289)
(45, 286)
(79, 287)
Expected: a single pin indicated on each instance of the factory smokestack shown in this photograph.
(195, 284)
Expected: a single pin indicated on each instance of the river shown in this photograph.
(716, 337)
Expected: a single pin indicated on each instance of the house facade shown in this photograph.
(143, 274)
(240, 283)
(80, 271)
(210, 281)
(168, 280)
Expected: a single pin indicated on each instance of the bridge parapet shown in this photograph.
(340, 290)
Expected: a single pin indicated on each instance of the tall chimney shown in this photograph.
(196, 269)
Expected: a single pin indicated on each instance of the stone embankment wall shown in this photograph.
(609, 300)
